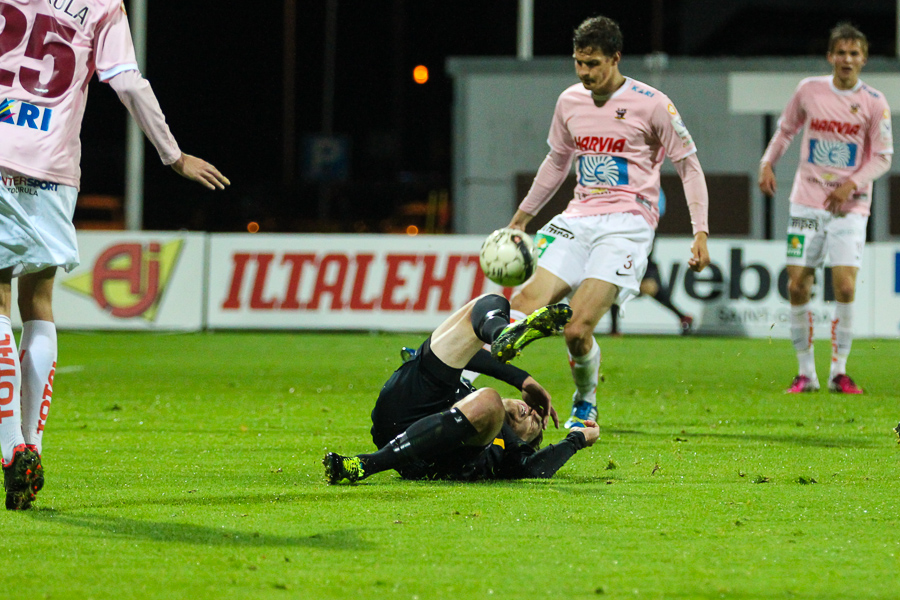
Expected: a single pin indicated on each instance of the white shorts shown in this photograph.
(612, 248)
(813, 232)
(36, 230)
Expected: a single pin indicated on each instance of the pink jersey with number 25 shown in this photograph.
(618, 149)
(49, 49)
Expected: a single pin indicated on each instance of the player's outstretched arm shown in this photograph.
(590, 431)
(197, 169)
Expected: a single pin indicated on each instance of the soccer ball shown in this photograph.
(508, 258)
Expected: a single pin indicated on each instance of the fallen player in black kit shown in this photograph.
(428, 423)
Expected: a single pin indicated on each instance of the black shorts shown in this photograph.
(421, 387)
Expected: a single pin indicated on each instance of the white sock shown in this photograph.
(801, 337)
(37, 354)
(841, 338)
(586, 373)
(10, 405)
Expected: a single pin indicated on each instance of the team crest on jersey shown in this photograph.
(620, 113)
(854, 108)
(602, 170)
(829, 153)
(795, 243)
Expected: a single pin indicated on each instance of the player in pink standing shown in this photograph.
(846, 145)
(618, 131)
(48, 53)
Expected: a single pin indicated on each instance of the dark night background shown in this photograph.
(217, 71)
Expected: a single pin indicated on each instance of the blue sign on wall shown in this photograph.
(325, 157)
(897, 273)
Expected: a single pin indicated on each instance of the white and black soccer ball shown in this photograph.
(508, 258)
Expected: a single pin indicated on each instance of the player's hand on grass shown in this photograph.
(837, 198)
(590, 431)
(766, 179)
(699, 259)
(197, 169)
(535, 396)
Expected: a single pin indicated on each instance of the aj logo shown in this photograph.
(620, 113)
(128, 280)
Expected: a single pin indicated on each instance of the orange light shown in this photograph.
(252, 226)
(420, 74)
(412, 230)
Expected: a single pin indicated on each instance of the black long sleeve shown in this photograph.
(486, 364)
(544, 463)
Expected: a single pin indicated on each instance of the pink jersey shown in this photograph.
(618, 149)
(843, 130)
(49, 49)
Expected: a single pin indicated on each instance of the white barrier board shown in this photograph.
(137, 281)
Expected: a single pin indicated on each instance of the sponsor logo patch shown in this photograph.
(795, 243)
(28, 115)
(602, 171)
(542, 241)
(828, 153)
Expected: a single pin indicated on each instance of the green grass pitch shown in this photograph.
(188, 466)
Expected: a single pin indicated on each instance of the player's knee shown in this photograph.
(844, 291)
(649, 287)
(484, 410)
(799, 290)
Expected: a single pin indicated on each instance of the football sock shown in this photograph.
(515, 315)
(426, 437)
(586, 373)
(489, 316)
(841, 337)
(10, 405)
(37, 354)
(801, 337)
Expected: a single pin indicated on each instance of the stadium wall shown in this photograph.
(165, 281)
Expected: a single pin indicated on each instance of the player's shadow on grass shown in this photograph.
(796, 440)
(188, 533)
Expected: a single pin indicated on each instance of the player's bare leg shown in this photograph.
(591, 301)
(37, 353)
(844, 282)
(455, 341)
(800, 282)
